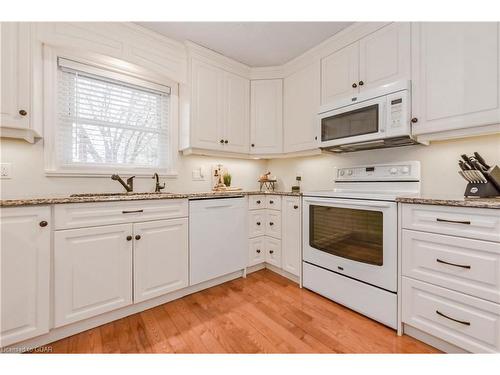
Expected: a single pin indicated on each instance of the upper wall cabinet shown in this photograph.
(377, 59)
(301, 103)
(266, 116)
(219, 110)
(456, 72)
(17, 120)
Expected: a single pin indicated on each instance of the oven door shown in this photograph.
(354, 123)
(355, 238)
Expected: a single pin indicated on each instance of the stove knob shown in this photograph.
(342, 172)
(393, 170)
(405, 170)
(349, 172)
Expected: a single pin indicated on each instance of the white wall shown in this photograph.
(28, 178)
(438, 163)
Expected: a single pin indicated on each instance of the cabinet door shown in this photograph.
(301, 105)
(25, 270)
(207, 128)
(273, 223)
(266, 125)
(291, 238)
(92, 271)
(15, 95)
(236, 113)
(273, 251)
(384, 56)
(160, 257)
(257, 223)
(456, 72)
(339, 73)
(256, 250)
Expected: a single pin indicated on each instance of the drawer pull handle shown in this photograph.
(258, 251)
(450, 318)
(43, 223)
(453, 264)
(271, 251)
(258, 202)
(295, 206)
(271, 223)
(271, 202)
(258, 223)
(132, 212)
(453, 221)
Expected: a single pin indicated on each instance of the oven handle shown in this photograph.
(349, 202)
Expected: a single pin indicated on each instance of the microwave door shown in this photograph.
(355, 123)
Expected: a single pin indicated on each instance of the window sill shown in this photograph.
(107, 174)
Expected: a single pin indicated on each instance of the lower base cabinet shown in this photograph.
(291, 223)
(160, 258)
(92, 271)
(25, 273)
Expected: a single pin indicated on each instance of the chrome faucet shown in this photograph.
(129, 185)
(158, 186)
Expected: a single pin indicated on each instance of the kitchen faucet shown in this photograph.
(129, 185)
(158, 186)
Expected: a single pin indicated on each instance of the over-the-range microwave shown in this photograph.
(376, 118)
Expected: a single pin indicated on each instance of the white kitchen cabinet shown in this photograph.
(377, 59)
(219, 109)
(339, 73)
(455, 76)
(16, 117)
(301, 105)
(160, 257)
(92, 271)
(25, 273)
(291, 234)
(207, 124)
(266, 116)
(256, 250)
(273, 251)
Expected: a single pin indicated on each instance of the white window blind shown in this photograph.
(110, 120)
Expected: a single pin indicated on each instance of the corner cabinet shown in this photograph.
(16, 106)
(301, 104)
(266, 116)
(377, 59)
(219, 110)
(25, 273)
(456, 77)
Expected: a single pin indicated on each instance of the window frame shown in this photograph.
(114, 68)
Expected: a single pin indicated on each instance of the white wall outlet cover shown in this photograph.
(5, 170)
(198, 174)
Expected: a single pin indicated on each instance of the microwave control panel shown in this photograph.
(398, 114)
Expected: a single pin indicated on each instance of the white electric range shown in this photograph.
(350, 237)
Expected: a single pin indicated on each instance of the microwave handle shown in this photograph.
(382, 116)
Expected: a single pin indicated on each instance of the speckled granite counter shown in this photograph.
(455, 201)
(116, 197)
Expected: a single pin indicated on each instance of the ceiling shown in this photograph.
(252, 43)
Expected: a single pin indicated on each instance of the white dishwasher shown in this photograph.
(217, 237)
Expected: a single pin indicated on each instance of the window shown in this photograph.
(107, 120)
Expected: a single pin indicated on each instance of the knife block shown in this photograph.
(482, 190)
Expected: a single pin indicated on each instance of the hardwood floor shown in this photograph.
(264, 313)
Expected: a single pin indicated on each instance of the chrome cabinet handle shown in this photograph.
(450, 318)
(453, 221)
(452, 264)
(132, 212)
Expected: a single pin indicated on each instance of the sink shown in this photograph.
(82, 195)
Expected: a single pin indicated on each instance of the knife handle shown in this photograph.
(481, 160)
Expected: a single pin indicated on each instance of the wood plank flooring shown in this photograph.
(264, 313)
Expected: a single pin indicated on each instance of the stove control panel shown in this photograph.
(380, 172)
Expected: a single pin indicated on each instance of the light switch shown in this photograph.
(6, 170)
(198, 175)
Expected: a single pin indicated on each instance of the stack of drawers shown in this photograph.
(451, 274)
(265, 229)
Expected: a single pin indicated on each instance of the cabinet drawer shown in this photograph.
(256, 201)
(273, 202)
(80, 215)
(273, 223)
(256, 250)
(467, 322)
(480, 223)
(273, 251)
(464, 265)
(257, 223)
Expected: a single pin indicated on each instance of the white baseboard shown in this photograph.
(431, 340)
(275, 269)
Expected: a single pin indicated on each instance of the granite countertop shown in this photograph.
(117, 197)
(452, 201)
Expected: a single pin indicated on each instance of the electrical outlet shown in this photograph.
(198, 174)
(5, 170)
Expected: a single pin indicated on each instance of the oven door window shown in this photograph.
(348, 233)
(357, 122)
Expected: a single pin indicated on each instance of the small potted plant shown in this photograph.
(227, 179)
